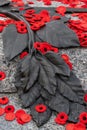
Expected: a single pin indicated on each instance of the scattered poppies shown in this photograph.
(61, 118)
(40, 108)
(44, 47)
(9, 112)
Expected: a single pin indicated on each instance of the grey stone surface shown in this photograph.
(78, 57)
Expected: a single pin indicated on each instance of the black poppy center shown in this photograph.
(9, 108)
(41, 108)
(45, 49)
(84, 118)
(0, 75)
(3, 98)
(62, 117)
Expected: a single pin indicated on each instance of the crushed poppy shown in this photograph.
(61, 118)
(40, 108)
(4, 100)
(9, 108)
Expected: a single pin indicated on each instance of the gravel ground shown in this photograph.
(78, 57)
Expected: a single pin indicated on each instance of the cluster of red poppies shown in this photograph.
(37, 20)
(20, 25)
(20, 115)
(44, 47)
(67, 60)
(9, 112)
(80, 27)
(62, 118)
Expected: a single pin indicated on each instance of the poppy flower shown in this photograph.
(4, 100)
(83, 117)
(54, 49)
(85, 98)
(61, 118)
(2, 111)
(19, 121)
(2, 75)
(30, 2)
(65, 57)
(34, 28)
(30, 11)
(55, 17)
(22, 30)
(23, 54)
(19, 113)
(61, 10)
(79, 126)
(10, 116)
(9, 108)
(40, 108)
(37, 45)
(70, 126)
(25, 118)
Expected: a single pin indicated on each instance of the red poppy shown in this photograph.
(3, 15)
(19, 113)
(20, 121)
(2, 75)
(30, 2)
(2, 111)
(30, 11)
(70, 126)
(10, 116)
(9, 108)
(79, 126)
(55, 50)
(61, 10)
(23, 54)
(37, 45)
(65, 57)
(22, 30)
(83, 117)
(85, 97)
(61, 118)
(55, 17)
(4, 100)
(34, 28)
(25, 118)
(40, 108)
(70, 65)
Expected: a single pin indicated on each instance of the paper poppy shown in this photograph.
(30, 11)
(85, 97)
(79, 126)
(19, 113)
(9, 108)
(70, 126)
(4, 100)
(23, 54)
(2, 75)
(65, 57)
(40, 108)
(83, 117)
(2, 111)
(61, 118)
(22, 30)
(37, 45)
(10, 116)
(26, 118)
(19, 121)
(61, 10)
(54, 49)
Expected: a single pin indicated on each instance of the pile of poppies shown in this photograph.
(20, 25)
(80, 27)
